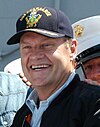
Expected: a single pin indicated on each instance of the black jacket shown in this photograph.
(78, 105)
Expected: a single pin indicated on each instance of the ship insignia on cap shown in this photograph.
(32, 16)
(78, 30)
(32, 19)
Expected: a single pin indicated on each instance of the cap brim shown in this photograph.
(16, 38)
(90, 57)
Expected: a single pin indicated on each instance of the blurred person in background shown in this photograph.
(87, 33)
(13, 92)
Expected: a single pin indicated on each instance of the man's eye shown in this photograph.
(46, 45)
(26, 47)
(88, 68)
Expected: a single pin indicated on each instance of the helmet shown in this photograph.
(14, 67)
(87, 33)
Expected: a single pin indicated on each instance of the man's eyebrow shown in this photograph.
(24, 42)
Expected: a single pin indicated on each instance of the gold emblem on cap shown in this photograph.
(78, 30)
(33, 18)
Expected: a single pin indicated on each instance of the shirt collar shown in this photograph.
(33, 97)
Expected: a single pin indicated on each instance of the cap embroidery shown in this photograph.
(78, 29)
(33, 18)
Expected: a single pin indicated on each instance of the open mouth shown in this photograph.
(39, 67)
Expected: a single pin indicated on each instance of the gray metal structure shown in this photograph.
(10, 10)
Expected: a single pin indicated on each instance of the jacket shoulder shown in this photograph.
(21, 115)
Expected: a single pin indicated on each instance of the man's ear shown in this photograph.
(75, 42)
(73, 48)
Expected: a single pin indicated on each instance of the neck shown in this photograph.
(46, 91)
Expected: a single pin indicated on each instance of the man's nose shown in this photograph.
(37, 54)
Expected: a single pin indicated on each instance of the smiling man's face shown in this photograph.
(45, 61)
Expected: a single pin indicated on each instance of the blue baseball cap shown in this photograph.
(43, 20)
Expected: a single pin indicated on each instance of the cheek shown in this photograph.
(63, 57)
(60, 59)
(60, 53)
(24, 57)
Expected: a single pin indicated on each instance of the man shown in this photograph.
(13, 92)
(12, 96)
(87, 32)
(59, 98)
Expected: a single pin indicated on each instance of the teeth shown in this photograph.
(39, 67)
